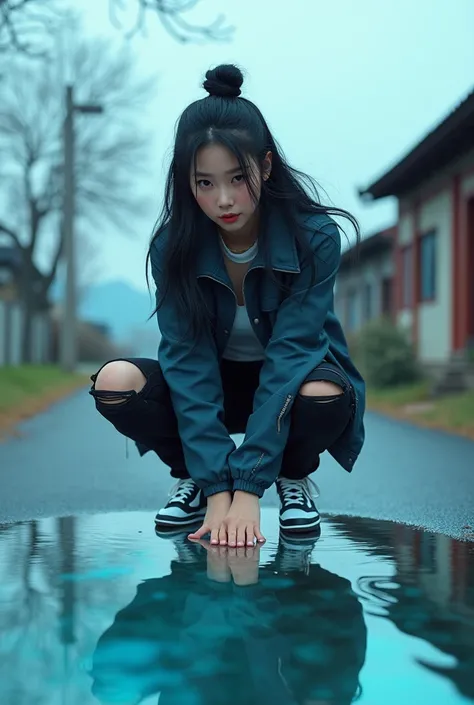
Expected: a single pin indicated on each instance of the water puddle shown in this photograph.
(98, 609)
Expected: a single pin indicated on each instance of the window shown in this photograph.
(428, 266)
(407, 276)
(387, 296)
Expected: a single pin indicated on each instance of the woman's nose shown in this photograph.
(225, 199)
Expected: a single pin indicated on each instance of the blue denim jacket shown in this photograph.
(298, 330)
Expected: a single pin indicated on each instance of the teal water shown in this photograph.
(98, 609)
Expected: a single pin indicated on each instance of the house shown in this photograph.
(12, 319)
(434, 244)
(10, 275)
(364, 288)
(10, 264)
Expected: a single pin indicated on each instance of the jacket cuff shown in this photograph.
(248, 486)
(225, 486)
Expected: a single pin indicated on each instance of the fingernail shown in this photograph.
(214, 541)
(223, 543)
(249, 543)
(241, 543)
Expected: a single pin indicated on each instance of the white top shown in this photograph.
(240, 257)
(243, 345)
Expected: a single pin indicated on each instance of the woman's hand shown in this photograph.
(242, 523)
(218, 506)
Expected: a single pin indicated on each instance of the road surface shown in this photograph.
(69, 460)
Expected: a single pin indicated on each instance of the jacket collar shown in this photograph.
(283, 253)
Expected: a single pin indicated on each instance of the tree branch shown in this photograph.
(20, 20)
(170, 13)
(111, 150)
(11, 234)
(24, 29)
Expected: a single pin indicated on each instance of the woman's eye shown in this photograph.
(204, 183)
(238, 178)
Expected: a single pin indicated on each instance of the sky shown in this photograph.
(347, 86)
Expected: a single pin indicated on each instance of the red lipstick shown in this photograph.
(229, 218)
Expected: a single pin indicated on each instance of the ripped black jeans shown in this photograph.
(147, 417)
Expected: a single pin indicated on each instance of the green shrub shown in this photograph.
(385, 355)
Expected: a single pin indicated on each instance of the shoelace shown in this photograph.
(294, 491)
(182, 490)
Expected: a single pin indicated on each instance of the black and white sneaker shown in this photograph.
(185, 506)
(298, 511)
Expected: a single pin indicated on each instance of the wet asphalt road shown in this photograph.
(69, 460)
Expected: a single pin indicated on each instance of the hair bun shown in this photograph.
(224, 81)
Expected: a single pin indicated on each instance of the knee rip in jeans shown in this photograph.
(322, 391)
(108, 397)
(327, 399)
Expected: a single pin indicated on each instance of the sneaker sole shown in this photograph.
(172, 521)
(300, 528)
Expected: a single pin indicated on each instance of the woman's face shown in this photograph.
(220, 189)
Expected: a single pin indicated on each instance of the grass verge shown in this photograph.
(453, 413)
(29, 389)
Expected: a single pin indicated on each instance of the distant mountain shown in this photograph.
(124, 310)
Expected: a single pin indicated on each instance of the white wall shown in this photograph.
(435, 318)
(11, 324)
(13, 336)
(406, 229)
(353, 283)
(406, 235)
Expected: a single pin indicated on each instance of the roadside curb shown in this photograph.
(11, 418)
(400, 414)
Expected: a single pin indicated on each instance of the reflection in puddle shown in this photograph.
(100, 610)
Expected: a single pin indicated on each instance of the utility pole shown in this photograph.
(68, 342)
(68, 323)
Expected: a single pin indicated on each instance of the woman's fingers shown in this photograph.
(232, 535)
(250, 532)
(200, 532)
(241, 535)
(223, 535)
(215, 537)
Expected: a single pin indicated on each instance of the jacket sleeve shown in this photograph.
(192, 374)
(298, 344)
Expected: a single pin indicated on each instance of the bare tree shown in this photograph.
(111, 150)
(171, 14)
(28, 25)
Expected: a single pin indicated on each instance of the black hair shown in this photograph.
(225, 118)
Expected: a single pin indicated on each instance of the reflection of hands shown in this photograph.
(243, 564)
(225, 563)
